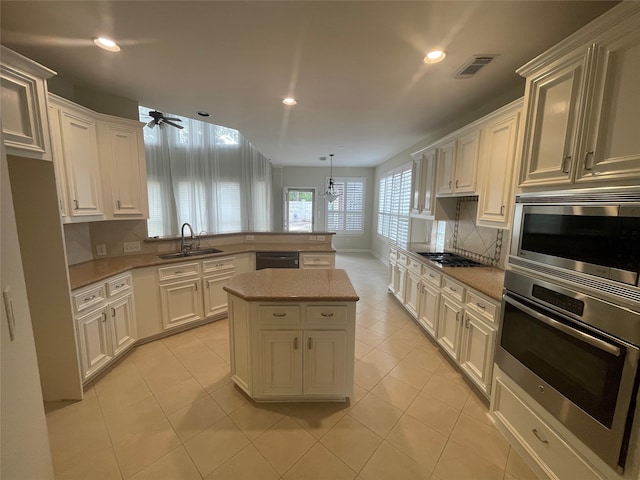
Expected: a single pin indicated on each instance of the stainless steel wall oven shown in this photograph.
(570, 319)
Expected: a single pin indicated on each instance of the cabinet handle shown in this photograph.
(295, 343)
(502, 210)
(310, 343)
(565, 161)
(431, 275)
(326, 314)
(457, 316)
(449, 183)
(480, 306)
(588, 165)
(467, 323)
(178, 271)
(195, 286)
(113, 312)
(104, 317)
(61, 207)
(120, 285)
(75, 205)
(89, 298)
(453, 289)
(539, 437)
(279, 314)
(457, 183)
(118, 204)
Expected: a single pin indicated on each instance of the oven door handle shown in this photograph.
(582, 336)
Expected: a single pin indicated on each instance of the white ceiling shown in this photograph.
(356, 67)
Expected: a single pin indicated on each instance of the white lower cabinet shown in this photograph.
(552, 454)
(291, 350)
(476, 353)
(428, 306)
(412, 292)
(315, 260)
(449, 331)
(192, 291)
(108, 329)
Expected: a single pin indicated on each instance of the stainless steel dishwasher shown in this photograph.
(276, 260)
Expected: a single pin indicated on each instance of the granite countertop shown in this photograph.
(486, 280)
(86, 273)
(292, 285)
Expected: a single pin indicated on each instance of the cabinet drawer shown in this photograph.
(119, 285)
(218, 264)
(393, 254)
(415, 266)
(317, 261)
(278, 316)
(453, 289)
(482, 306)
(546, 445)
(325, 316)
(402, 258)
(178, 271)
(431, 276)
(88, 297)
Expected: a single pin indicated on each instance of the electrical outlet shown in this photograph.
(321, 238)
(130, 247)
(312, 237)
(101, 249)
(249, 237)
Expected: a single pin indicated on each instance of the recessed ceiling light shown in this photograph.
(204, 114)
(106, 44)
(289, 101)
(434, 56)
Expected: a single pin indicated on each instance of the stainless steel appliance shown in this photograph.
(276, 260)
(446, 259)
(570, 318)
(593, 233)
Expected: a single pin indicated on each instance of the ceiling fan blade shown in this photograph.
(173, 119)
(172, 124)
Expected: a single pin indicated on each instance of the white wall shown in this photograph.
(24, 446)
(314, 177)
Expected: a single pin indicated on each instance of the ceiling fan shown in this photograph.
(159, 119)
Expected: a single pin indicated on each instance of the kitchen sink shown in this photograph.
(189, 253)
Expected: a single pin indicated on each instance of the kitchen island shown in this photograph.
(292, 334)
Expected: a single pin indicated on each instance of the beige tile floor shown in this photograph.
(169, 411)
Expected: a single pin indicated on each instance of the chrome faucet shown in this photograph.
(186, 246)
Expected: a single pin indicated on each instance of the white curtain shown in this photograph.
(207, 175)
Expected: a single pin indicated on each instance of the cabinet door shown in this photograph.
(122, 324)
(280, 362)
(393, 276)
(612, 141)
(416, 186)
(58, 162)
(25, 126)
(122, 153)
(449, 326)
(499, 156)
(446, 158)
(95, 351)
(79, 143)
(325, 362)
(476, 355)
(429, 160)
(181, 302)
(466, 163)
(215, 298)
(428, 309)
(411, 293)
(400, 283)
(552, 120)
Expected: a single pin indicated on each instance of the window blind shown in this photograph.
(394, 204)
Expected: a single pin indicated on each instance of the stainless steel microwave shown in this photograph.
(594, 232)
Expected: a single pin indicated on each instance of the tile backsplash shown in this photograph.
(464, 237)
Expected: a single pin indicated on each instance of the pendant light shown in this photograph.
(330, 194)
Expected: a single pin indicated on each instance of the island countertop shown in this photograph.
(289, 284)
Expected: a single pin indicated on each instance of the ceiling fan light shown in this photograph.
(106, 44)
(435, 56)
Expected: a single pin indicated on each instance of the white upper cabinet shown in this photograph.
(582, 99)
(25, 125)
(457, 164)
(497, 165)
(423, 180)
(99, 164)
(77, 146)
(121, 146)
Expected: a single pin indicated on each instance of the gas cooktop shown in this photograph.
(445, 259)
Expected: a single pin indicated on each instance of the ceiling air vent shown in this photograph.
(473, 65)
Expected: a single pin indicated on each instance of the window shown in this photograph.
(394, 204)
(207, 175)
(345, 215)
